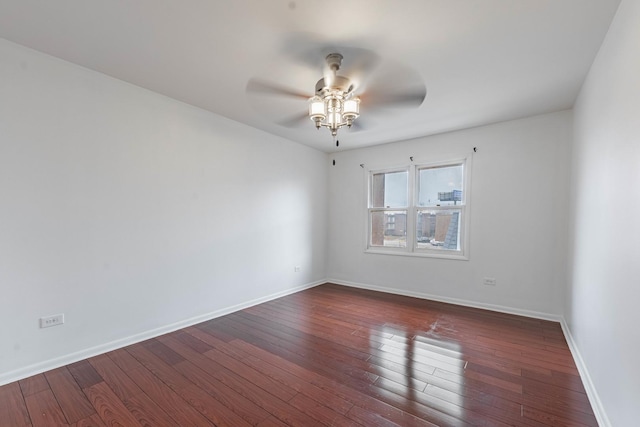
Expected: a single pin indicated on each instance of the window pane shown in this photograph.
(389, 229)
(389, 190)
(440, 186)
(438, 229)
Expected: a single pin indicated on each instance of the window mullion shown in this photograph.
(411, 211)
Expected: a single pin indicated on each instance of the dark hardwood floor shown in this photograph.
(330, 355)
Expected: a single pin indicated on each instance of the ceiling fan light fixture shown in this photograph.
(317, 110)
(334, 104)
(333, 111)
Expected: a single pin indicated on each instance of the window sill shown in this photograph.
(456, 256)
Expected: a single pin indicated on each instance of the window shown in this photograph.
(389, 191)
(419, 210)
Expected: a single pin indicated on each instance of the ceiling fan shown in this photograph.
(336, 101)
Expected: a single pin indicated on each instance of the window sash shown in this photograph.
(388, 228)
(439, 238)
(373, 199)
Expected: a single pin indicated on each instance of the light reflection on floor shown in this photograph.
(427, 358)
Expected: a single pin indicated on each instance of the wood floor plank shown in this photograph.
(242, 406)
(92, 421)
(272, 422)
(13, 410)
(111, 409)
(174, 405)
(72, 400)
(560, 379)
(193, 342)
(33, 385)
(196, 368)
(147, 412)
(320, 412)
(354, 357)
(162, 352)
(368, 417)
(261, 397)
(555, 420)
(400, 401)
(123, 386)
(44, 410)
(211, 408)
(330, 385)
(558, 406)
(277, 389)
(202, 335)
(84, 374)
(302, 386)
(159, 368)
(241, 383)
(329, 355)
(123, 359)
(309, 355)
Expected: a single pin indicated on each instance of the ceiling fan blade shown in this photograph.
(407, 98)
(360, 66)
(295, 121)
(394, 86)
(268, 88)
(310, 51)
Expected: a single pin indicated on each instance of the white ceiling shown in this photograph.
(482, 61)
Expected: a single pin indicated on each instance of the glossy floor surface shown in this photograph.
(329, 355)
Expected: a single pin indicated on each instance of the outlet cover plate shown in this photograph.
(489, 281)
(49, 321)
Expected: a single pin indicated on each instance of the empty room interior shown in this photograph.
(294, 212)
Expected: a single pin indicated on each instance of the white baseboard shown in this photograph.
(466, 303)
(28, 371)
(592, 394)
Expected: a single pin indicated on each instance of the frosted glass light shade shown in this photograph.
(316, 108)
(352, 107)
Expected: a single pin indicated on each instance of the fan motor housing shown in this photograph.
(340, 83)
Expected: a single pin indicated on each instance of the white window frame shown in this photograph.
(413, 209)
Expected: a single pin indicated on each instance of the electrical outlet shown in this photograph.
(297, 269)
(49, 321)
(489, 281)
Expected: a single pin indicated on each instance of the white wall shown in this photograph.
(518, 218)
(604, 265)
(128, 211)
